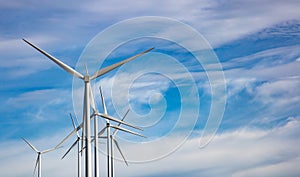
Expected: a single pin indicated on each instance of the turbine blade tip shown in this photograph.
(149, 49)
(25, 41)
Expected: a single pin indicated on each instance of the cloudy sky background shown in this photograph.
(257, 43)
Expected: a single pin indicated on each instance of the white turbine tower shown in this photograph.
(38, 161)
(86, 103)
(111, 138)
(77, 142)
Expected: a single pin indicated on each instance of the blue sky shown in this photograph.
(256, 42)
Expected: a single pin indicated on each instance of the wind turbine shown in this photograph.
(86, 103)
(38, 161)
(111, 138)
(77, 142)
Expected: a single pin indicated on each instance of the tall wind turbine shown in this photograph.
(38, 161)
(77, 142)
(111, 138)
(86, 103)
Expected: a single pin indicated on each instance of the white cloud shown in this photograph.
(235, 86)
(274, 65)
(278, 95)
(37, 106)
(218, 21)
(265, 59)
(290, 169)
(23, 67)
(229, 153)
(261, 73)
(243, 152)
(37, 96)
(279, 90)
(270, 79)
(270, 65)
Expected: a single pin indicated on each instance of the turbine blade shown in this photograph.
(92, 100)
(58, 62)
(74, 126)
(49, 150)
(102, 131)
(86, 69)
(99, 134)
(119, 124)
(73, 123)
(82, 140)
(69, 135)
(109, 68)
(74, 144)
(118, 121)
(32, 147)
(119, 149)
(36, 164)
(76, 120)
(128, 131)
(103, 101)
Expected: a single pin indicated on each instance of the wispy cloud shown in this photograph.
(279, 94)
(275, 65)
(248, 150)
(251, 151)
(219, 21)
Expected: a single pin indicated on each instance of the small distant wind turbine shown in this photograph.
(87, 94)
(111, 138)
(38, 161)
(77, 142)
